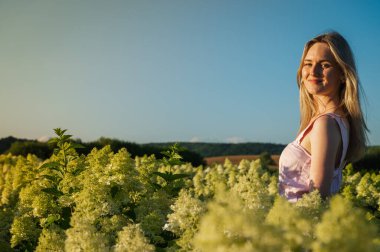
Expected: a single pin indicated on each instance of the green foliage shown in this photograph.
(44, 199)
(6, 217)
(266, 159)
(224, 149)
(111, 201)
(185, 218)
(171, 160)
(108, 187)
(293, 224)
(132, 239)
(24, 148)
(25, 232)
(51, 239)
(344, 228)
(229, 226)
(5, 143)
(151, 214)
(44, 150)
(370, 161)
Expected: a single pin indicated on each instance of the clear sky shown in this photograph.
(171, 70)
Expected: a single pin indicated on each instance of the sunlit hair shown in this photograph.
(349, 94)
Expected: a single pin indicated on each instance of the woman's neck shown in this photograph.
(327, 104)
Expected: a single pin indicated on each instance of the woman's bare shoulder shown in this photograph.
(326, 126)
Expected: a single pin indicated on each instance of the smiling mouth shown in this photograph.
(315, 81)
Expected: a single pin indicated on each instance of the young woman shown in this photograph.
(332, 129)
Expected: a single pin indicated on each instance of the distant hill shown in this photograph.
(5, 143)
(43, 150)
(226, 149)
(203, 149)
(194, 152)
(14, 145)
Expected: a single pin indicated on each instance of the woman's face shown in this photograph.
(321, 74)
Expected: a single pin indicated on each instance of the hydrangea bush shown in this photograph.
(107, 201)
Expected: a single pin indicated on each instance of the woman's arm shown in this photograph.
(324, 141)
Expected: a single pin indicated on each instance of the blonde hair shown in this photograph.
(349, 94)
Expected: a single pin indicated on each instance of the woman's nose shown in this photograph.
(315, 70)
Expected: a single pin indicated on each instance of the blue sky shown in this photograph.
(179, 70)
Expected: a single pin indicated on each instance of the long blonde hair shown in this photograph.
(349, 94)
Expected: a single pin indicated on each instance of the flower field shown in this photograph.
(109, 201)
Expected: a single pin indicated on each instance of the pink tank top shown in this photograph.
(294, 165)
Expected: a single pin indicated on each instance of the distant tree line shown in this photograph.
(369, 162)
(44, 150)
(226, 149)
(192, 152)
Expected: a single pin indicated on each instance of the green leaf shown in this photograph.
(51, 219)
(51, 178)
(77, 171)
(175, 190)
(174, 162)
(156, 186)
(176, 156)
(65, 137)
(179, 176)
(165, 176)
(169, 177)
(50, 165)
(66, 145)
(166, 153)
(56, 166)
(52, 191)
(77, 146)
(59, 131)
(53, 140)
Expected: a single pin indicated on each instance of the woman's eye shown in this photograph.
(307, 64)
(325, 65)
